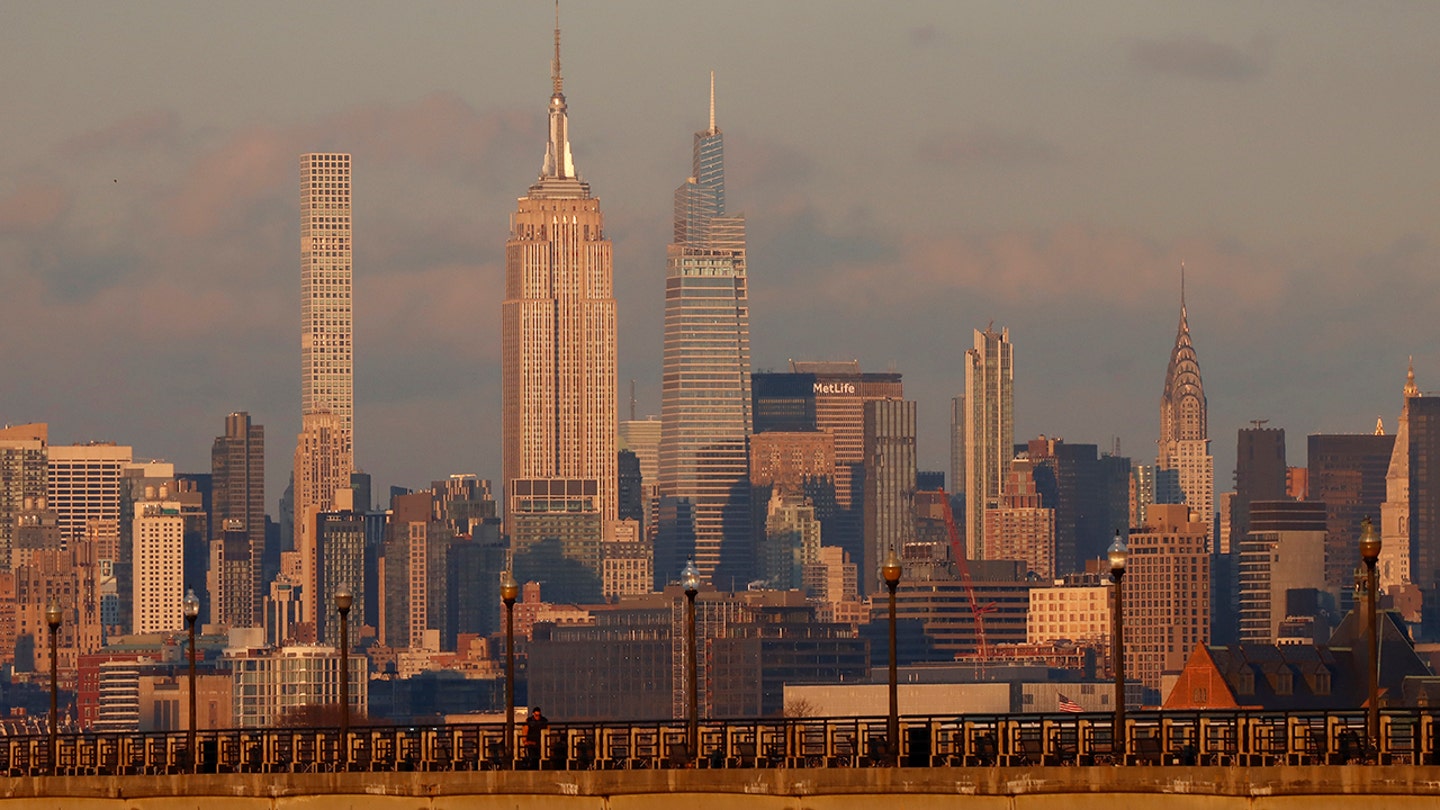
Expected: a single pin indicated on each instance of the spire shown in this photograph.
(1379, 426)
(1411, 390)
(1182, 404)
(558, 163)
(712, 100)
(555, 77)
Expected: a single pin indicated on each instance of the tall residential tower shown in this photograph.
(989, 440)
(558, 407)
(324, 450)
(705, 394)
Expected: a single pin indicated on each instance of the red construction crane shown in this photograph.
(957, 551)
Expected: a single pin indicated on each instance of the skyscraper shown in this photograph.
(327, 359)
(324, 450)
(23, 456)
(83, 485)
(237, 467)
(159, 532)
(829, 396)
(989, 431)
(1259, 475)
(889, 480)
(322, 468)
(1424, 434)
(705, 394)
(558, 371)
(1167, 593)
(1394, 565)
(1348, 473)
(1184, 468)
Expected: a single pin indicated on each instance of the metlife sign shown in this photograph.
(828, 389)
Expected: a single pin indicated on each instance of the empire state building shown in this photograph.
(559, 358)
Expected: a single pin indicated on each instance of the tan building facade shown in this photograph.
(558, 327)
(1166, 592)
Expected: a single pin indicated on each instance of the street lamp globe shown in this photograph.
(509, 588)
(1119, 555)
(344, 598)
(191, 605)
(53, 614)
(890, 569)
(690, 578)
(1369, 542)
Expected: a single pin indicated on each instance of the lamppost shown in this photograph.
(344, 598)
(890, 572)
(191, 607)
(1370, 553)
(690, 580)
(509, 589)
(1119, 556)
(52, 618)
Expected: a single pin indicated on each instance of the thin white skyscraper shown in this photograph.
(989, 440)
(324, 450)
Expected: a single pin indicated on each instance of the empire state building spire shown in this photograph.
(559, 165)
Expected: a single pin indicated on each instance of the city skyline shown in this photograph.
(151, 230)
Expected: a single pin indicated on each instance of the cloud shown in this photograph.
(172, 295)
(924, 36)
(758, 165)
(985, 145)
(153, 128)
(1196, 56)
(32, 207)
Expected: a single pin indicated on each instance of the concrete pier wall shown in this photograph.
(1065, 788)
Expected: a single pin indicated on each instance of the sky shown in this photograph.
(910, 171)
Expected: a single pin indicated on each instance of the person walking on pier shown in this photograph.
(535, 726)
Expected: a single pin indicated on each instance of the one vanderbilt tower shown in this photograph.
(559, 368)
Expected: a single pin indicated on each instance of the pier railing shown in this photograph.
(1149, 738)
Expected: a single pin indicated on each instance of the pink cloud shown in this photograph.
(143, 129)
(32, 208)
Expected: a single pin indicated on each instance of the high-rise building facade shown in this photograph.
(1348, 474)
(237, 468)
(890, 465)
(1184, 468)
(322, 469)
(1424, 435)
(230, 580)
(705, 392)
(558, 369)
(23, 454)
(1021, 526)
(159, 535)
(829, 396)
(989, 431)
(1166, 593)
(83, 485)
(1259, 474)
(1283, 551)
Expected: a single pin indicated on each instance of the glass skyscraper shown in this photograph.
(705, 396)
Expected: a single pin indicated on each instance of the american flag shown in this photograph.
(1067, 705)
